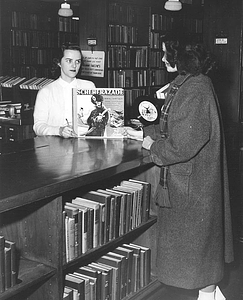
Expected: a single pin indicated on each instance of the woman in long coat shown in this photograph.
(194, 218)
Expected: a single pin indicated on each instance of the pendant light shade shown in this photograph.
(173, 5)
(65, 10)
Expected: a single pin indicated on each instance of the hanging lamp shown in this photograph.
(65, 10)
(173, 5)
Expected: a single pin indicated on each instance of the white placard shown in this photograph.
(93, 63)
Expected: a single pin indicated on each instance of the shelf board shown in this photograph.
(94, 253)
(30, 273)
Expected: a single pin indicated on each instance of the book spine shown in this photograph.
(2, 264)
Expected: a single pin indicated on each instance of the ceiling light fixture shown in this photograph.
(65, 10)
(173, 5)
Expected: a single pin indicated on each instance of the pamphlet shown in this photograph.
(98, 113)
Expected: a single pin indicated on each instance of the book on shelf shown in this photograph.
(110, 287)
(12, 81)
(93, 196)
(106, 200)
(91, 282)
(83, 219)
(115, 213)
(69, 238)
(98, 113)
(112, 214)
(7, 266)
(35, 83)
(145, 265)
(146, 198)
(4, 78)
(106, 279)
(122, 258)
(138, 189)
(131, 196)
(68, 293)
(2, 264)
(136, 266)
(91, 272)
(95, 222)
(73, 214)
(87, 227)
(87, 286)
(123, 210)
(75, 283)
(128, 253)
(13, 261)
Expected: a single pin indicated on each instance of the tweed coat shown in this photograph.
(194, 235)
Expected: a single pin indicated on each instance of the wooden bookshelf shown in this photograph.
(127, 30)
(32, 202)
(33, 33)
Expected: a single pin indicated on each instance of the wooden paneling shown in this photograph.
(223, 18)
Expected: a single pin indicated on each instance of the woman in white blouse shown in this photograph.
(53, 106)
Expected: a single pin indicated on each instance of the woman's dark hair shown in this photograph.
(189, 57)
(59, 55)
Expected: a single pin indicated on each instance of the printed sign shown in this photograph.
(93, 63)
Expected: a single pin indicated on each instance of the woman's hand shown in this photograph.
(132, 133)
(147, 142)
(67, 132)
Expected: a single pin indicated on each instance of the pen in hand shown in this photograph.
(72, 133)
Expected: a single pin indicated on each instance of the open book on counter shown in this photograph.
(98, 113)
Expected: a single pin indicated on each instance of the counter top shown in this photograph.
(49, 166)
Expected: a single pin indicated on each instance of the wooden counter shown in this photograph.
(46, 166)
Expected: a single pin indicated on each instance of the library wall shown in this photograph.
(224, 19)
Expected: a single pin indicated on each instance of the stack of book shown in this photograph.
(114, 276)
(11, 81)
(8, 268)
(100, 216)
(34, 83)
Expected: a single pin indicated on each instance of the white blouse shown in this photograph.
(53, 106)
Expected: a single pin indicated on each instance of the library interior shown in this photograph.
(80, 217)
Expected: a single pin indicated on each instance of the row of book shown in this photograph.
(161, 22)
(120, 56)
(32, 56)
(136, 78)
(123, 13)
(32, 21)
(30, 71)
(158, 77)
(68, 24)
(155, 59)
(8, 266)
(128, 78)
(23, 83)
(27, 38)
(155, 40)
(114, 276)
(125, 34)
(42, 39)
(103, 215)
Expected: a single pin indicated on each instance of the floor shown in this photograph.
(232, 283)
